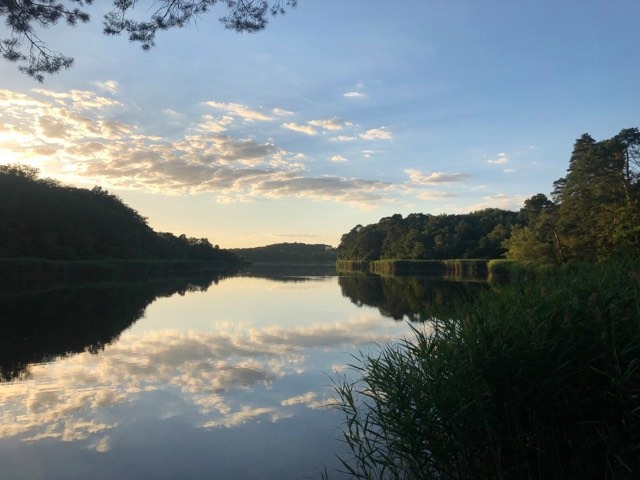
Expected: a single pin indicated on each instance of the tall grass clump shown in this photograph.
(352, 266)
(534, 380)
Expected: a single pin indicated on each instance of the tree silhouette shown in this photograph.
(430, 237)
(595, 212)
(25, 17)
(41, 218)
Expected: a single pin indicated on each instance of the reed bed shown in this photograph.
(459, 268)
(352, 266)
(537, 379)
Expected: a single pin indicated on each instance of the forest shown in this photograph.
(593, 215)
(420, 236)
(289, 253)
(594, 210)
(41, 218)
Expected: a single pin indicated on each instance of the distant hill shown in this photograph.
(41, 218)
(289, 253)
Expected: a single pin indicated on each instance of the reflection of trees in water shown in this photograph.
(40, 326)
(290, 273)
(417, 298)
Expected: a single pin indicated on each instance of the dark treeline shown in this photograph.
(593, 215)
(293, 253)
(41, 218)
(431, 237)
(40, 326)
(594, 211)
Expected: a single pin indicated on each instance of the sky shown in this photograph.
(338, 114)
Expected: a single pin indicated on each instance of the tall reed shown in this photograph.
(535, 380)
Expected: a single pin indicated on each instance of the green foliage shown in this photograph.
(430, 237)
(42, 219)
(595, 213)
(538, 379)
(291, 253)
(528, 244)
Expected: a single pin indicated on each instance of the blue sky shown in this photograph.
(338, 114)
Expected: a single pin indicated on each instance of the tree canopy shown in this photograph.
(41, 218)
(594, 212)
(430, 237)
(25, 18)
(593, 215)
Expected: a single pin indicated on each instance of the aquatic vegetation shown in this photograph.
(535, 379)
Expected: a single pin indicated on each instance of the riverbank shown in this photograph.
(37, 271)
(456, 268)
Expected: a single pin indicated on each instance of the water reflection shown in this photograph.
(290, 273)
(414, 298)
(41, 326)
(223, 382)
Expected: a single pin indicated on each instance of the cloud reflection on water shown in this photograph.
(219, 378)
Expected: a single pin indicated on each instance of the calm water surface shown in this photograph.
(227, 379)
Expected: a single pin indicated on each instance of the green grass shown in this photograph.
(538, 379)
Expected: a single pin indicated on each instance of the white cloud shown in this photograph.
(362, 193)
(81, 142)
(309, 128)
(377, 134)
(501, 200)
(51, 127)
(435, 195)
(14, 100)
(78, 99)
(334, 123)
(239, 110)
(211, 124)
(354, 95)
(281, 113)
(501, 159)
(110, 86)
(419, 178)
(306, 129)
(509, 170)
(169, 112)
(343, 138)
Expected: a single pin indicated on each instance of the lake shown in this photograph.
(208, 378)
